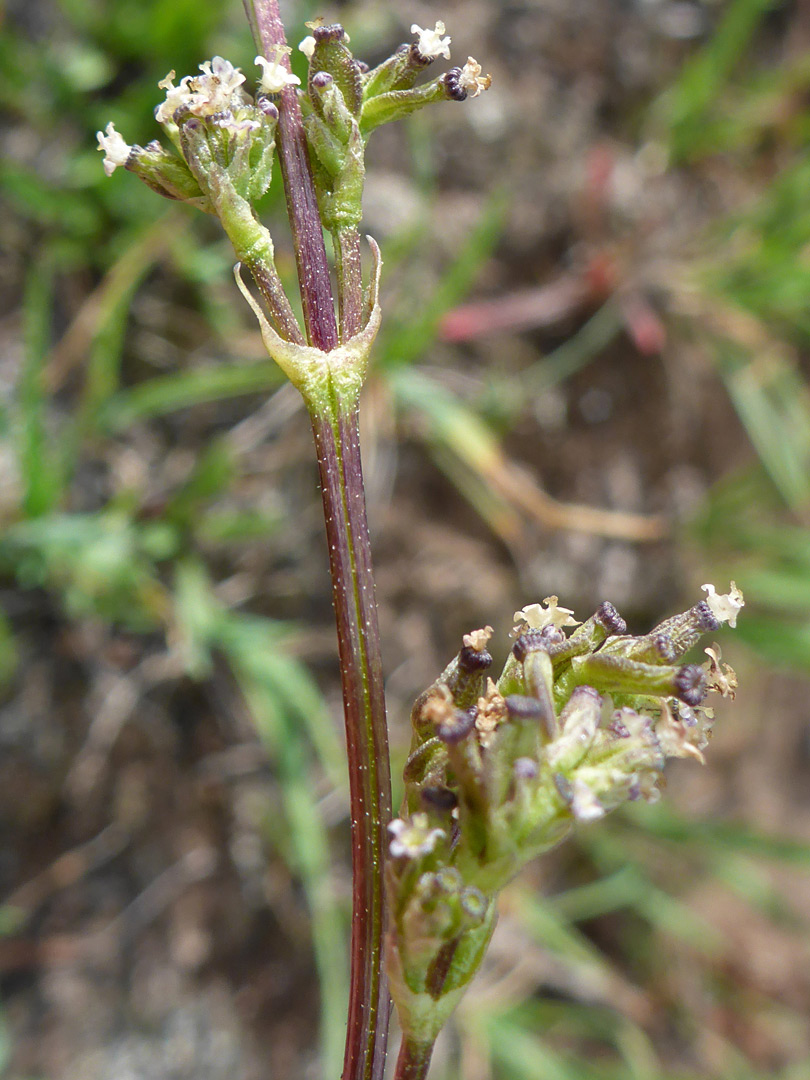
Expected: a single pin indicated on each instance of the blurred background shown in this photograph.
(592, 381)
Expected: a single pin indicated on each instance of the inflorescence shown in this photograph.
(500, 770)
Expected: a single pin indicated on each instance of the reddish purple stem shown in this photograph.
(299, 188)
(338, 448)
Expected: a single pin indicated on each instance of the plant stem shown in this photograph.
(413, 1061)
(338, 448)
(269, 285)
(348, 272)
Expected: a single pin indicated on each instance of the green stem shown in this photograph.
(338, 449)
(349, 275)
(413, 1061)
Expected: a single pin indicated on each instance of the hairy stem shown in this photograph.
(348, 271)
(413, 1061)
(269, 285)
(338, 451)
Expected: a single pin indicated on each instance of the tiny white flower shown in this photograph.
(431, 44)
(116, 150)
(228, 77)
(274, 74)
(681, 735)
(535, 616)
(215, 91)
(176, 97)
(725, 607)
(228, 122)
(307, 46)
(478, 639)
(719, 676)
(413, 838)
(471, 78)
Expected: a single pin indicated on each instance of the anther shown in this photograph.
(690, 684)
(457, 726)
(608, 617)
(452, 80)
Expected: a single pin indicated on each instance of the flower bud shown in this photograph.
(331, 57)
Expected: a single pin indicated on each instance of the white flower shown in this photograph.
(307, 46)
(535, 617)
(274, 74)
(478, 639)
(228, 122)
(725, 607)
(681, 735)
(116, 151)
(228, 77)
(204, 95)
(471, 78)
(413, 838)
(431, 43)
(719, 676)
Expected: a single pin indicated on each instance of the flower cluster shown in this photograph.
(223, 150)
(345, 102)
(500, 770)
(224, 143)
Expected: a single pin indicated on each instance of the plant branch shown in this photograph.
(413, 1061)
(349, 274)
(299, 189)
(272, 291)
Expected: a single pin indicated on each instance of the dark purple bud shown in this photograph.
(416, 58)
(520, 707)
(452, 80)
(608, 617)
(531, 641)
(526, 768)
(320, 80)
(690, 684)
(705, 617)
(362, 67)
(456, 727)
(474, 659)
(438, 798)
(335, 32)
(552, 635)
